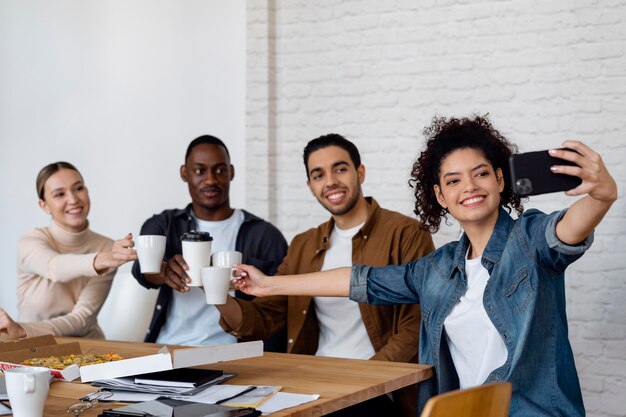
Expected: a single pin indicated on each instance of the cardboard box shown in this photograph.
(12, 353)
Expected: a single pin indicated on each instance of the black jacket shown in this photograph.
(261, 244)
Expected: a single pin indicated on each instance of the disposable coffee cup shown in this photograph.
(150, 250)
(197, 254)
(27, 388)
(216, 280)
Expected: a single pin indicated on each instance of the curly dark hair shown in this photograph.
(445, 136)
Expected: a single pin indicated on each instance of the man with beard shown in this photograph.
(358, 232)
(181, 315)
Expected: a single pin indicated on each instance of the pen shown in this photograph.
(247, 390)
(120, 413)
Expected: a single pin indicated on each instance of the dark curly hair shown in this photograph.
(445, 136)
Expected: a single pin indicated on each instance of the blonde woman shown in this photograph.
(65, 270)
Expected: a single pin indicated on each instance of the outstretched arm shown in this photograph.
(120, 253)
(38, 256)
(331, 283)
(585, 214)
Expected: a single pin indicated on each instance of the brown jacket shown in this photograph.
(386, 238)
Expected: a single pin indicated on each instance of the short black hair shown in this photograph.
(205, 140)
(331, 139)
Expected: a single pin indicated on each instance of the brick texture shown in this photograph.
(377, 72)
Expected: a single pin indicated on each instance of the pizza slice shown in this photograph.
(80, 359)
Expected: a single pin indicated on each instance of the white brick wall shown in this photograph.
(378, 71)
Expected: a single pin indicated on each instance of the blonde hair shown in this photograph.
(49, 170)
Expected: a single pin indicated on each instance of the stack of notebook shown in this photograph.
(182, 381)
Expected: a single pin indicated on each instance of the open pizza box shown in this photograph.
(12, 353)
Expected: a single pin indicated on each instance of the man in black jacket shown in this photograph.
(181, 315)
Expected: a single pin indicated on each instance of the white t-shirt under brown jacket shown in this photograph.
(59, 292)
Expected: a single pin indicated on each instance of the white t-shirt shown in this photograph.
(190, 320)
(475, 345)
(342, 332)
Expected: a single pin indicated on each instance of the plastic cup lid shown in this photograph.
(196, 236)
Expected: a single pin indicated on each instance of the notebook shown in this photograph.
(183, 377)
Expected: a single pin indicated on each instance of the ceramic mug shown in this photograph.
(216, 280)
(27, 388)
(226, 259)
(150, 250)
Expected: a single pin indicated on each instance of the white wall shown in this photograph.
(378, 71)
(119, 89)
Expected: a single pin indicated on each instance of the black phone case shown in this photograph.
(531, 174)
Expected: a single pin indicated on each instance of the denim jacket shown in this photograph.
(524, 298)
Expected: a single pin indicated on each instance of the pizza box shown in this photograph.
(12, 353)
(163, 360)
(176, 358)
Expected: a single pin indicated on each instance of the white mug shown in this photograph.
(226, 259)
(216, 280)
(197, 254)
(27, 388)
(150, 250)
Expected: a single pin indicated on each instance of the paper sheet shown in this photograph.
(282, 400)
(131, 397)
(211, 395)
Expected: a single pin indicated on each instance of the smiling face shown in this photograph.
(334, 180)
(469, 188)
(66, 198)
(208, 173)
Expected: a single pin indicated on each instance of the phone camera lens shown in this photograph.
(524, 186)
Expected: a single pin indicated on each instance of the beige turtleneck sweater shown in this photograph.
(59, 292)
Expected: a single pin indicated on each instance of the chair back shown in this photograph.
(489, 400)
(128, 309)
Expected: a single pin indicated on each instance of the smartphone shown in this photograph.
(531, 174)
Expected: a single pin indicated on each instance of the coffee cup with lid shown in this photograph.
(197, 254)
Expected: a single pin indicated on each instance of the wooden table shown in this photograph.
(339, 382)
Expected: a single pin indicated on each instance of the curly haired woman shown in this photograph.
(493, 302)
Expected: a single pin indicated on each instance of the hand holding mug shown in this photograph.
(121, 252)
(252, 281)
(175, 275)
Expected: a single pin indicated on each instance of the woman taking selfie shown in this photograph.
(65, 270)
(493, 302)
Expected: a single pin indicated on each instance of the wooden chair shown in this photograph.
(490, 400)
